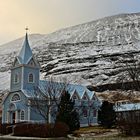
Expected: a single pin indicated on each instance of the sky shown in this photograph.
(46, 16)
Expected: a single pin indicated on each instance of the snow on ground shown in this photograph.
(89, 53)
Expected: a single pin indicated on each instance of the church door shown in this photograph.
(13, 117)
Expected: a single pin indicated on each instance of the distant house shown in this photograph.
(128, 111)
(26, 86)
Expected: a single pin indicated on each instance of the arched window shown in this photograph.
(16, 78)
(22, 114)
(15, 97)
(31, 78)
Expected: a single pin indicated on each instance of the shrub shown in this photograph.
(128, 123)
(33, 130)
(106, 115)
(129, 128)
(61, 129)
(5, 129)
(67, 113)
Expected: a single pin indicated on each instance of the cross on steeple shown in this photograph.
(26, 29)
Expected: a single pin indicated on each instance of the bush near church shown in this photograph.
(5, 129)
(41, 130)
(67, 113)
(106, 115)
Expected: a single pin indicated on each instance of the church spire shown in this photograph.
(26, 53)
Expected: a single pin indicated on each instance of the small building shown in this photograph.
(128, 112)
(26, 87)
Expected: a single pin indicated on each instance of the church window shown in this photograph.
(16, 78)
(94, 113)
(85, 113)
(15, 97)
(85, 97)
(22, 115)
(31, 78)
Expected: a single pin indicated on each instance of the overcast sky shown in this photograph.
(46, 16)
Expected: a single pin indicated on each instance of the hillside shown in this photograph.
(93, 53)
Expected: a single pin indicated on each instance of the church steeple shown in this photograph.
(25, 70)
(25, 54)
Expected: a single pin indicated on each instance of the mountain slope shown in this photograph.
(91, 53)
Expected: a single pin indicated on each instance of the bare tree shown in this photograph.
(47, 98)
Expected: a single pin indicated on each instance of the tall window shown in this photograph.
(22, 114)
(16, 78)
(15, 97)
(94, 113)
(31, 78)
(85, 112)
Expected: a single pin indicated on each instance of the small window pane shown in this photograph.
(22, 115)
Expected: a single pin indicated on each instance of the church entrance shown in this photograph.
(13, 117)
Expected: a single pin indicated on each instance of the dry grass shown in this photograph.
(100, 133)
(93, 129)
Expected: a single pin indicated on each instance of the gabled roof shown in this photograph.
(26, 53)
(75, 93)
(71, 88)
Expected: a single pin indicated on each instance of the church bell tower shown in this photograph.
(25, 69)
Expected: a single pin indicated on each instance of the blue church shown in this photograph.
(24, 101)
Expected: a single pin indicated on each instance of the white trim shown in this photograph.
(33, 77)
(29, 111)
(16, 117)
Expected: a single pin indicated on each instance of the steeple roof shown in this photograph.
(25, 54)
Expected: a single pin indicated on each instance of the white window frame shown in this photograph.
(22, 116)
(29, 78)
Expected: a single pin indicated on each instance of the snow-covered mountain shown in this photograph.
(93, 53)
